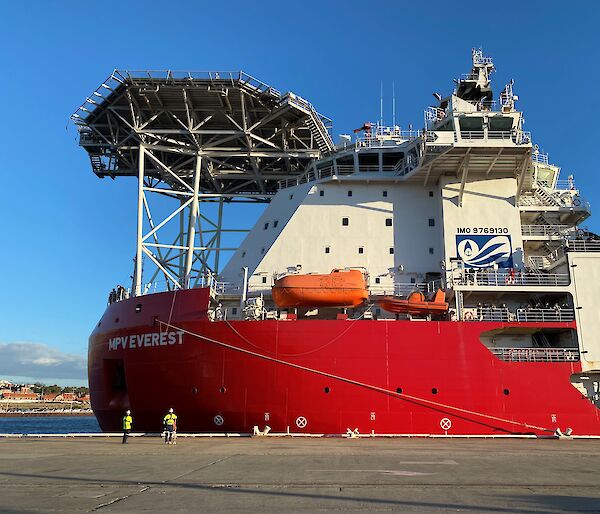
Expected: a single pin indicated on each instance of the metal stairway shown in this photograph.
(316, 126)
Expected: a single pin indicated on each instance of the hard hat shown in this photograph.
(128, 412)
(171, 409)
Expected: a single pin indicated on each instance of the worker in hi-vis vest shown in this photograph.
(127, 423)
(170, 427)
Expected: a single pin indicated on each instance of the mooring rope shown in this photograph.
(402, 396)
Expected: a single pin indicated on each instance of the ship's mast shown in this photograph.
(196, 142)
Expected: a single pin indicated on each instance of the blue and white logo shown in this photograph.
(484, 251)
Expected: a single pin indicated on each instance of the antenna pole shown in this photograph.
(381, 106)
(393, 104)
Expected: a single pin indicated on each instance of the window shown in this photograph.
(264, 280)
(391, 251)
(431, 194)
(361, 249)
(377, 312)
(234, 310)
(377, 280)
(275, 223)
(266, 225)
(413, 280)
(431, 251)
(327, 249)
(388, 222)
(243, 254)
(385, 194)
(321, 193)
(345, 222)
(431, 222)
(262, 250)
(349, 192)
(291, 197)
(138, 307)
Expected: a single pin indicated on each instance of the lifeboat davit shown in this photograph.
(340, 288)
(416, 304)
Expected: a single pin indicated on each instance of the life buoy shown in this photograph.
(468, 316)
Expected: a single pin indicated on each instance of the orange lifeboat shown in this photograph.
(340, 288)
(416, 304)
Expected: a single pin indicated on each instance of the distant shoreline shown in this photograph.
(20, 414)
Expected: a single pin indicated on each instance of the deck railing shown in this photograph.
(536, 354)
(543, 315)
(579, 245)
(545, 230)
(490, 277)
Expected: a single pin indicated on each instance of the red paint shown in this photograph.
(202, 380)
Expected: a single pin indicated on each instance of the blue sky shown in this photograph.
(64, 241)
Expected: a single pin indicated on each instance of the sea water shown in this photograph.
(48, 425)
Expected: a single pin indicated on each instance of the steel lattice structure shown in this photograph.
(200, 139)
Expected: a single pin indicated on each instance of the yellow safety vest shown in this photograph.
(170, 419)
(127, 422)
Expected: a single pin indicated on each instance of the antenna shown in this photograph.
(381, 106)
(393, 104)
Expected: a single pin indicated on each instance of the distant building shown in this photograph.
(51, 397)
(19, 396)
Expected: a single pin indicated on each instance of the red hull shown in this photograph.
(334, 374)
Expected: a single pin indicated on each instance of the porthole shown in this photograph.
(116, 320)
(399, 390)
(222, 390)
(327, 390)
(506, 392)
(434, 390)
(194, 390)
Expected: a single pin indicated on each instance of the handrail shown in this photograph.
(536, 354)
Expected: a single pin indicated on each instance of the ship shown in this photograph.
(432, 281)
